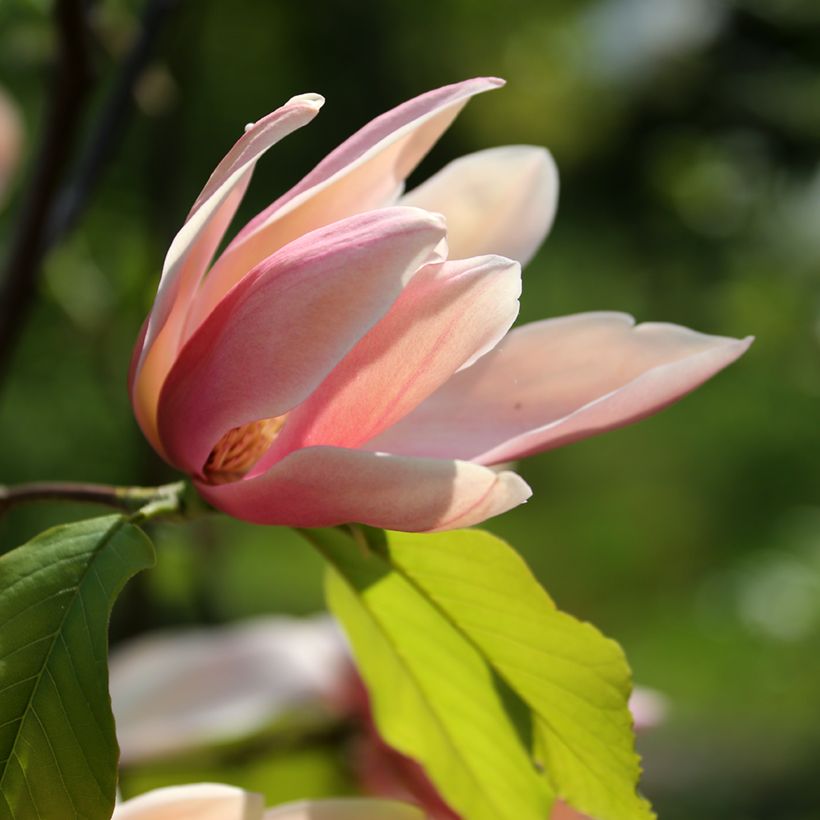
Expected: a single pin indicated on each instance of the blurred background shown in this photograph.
(687, 133)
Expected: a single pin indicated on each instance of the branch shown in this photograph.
(145, 501)
(44, 221)
(71, 83)
(110, 125)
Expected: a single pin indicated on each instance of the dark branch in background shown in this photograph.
(110, 126)
(50, 213)
(71, 83)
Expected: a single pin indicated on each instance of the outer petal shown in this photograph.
(345, 809)
(502, 200)
(175, 690)
(367, 171)
(200, 801)
(553, 382)
(326, 486)
(279, 332)
(194, 245)
(447, 316)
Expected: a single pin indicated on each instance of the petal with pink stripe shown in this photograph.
(448, 315)
(274, 338)
(367, 171)
(194, 245)
(553, 382)
(327, 486)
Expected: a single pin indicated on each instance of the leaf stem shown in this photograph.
(144, 502)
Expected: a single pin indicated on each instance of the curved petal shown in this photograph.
(198, 801)
(349, 808)
(553, 382)
(327, 486)
(274, 338)
(367, 171)
(448, 315)
(501, 200)
(194, 245)
(178, 689)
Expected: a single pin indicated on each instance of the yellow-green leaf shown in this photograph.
(476, 590)
(434, 697)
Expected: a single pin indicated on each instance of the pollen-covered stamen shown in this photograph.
(239, 449)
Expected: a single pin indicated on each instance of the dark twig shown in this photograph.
(45, 221)
(111, 123)
(72, 81)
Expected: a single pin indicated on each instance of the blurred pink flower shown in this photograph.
(11, 142)
(334, 365)
(179, 690)
(215, 801)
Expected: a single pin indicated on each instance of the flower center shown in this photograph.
(239, 449)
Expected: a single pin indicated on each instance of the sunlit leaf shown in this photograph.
(434, 696)
(58, 750)
(470, 591)
(576, 681)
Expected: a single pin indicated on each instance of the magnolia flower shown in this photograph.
(11, 141)
(347, 356)
(215, 801)
(178, 690)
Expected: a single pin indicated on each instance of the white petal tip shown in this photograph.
(738, 346)
(522, 488)
(313, 100)
(431, 219)
(438, 220)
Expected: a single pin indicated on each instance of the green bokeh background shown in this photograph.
(687, 133)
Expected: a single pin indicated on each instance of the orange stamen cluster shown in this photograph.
(239, 449)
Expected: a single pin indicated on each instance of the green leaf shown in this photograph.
(58, 750)
(434, 697)
(574, 682)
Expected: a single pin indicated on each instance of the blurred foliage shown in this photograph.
(687, 133)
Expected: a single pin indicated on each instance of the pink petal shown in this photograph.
(648, 707)
(327, 486)
(200, 801)
(502, 200)
(279, 332)
(11, 142)
(553, 382)
(194, 245)
(349, 808)
(367, 171)
(448, 315)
